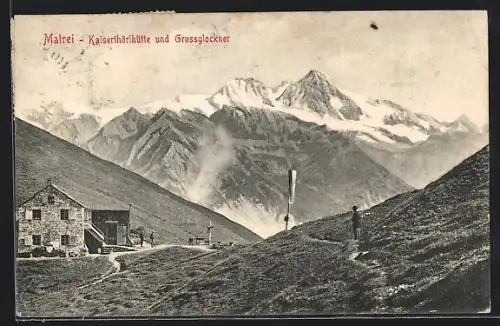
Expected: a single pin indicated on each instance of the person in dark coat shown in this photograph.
(142, 237)
(356, 223)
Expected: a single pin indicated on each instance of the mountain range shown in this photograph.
(231, 151)
(236, 162)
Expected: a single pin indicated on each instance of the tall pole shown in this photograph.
(292, 178)
(287, 217)
(209, 228)
(127, 236)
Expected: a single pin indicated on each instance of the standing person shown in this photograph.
(152, 238)
(356, 223)
(142, 237)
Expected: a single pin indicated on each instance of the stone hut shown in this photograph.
(72, 220)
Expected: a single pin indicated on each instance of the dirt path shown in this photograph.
(116, 266)
(354, 254)
(381, 293)
(307, 237)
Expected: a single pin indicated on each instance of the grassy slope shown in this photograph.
(36, 279)
(428, 250)
(40, 155)
(127, 293)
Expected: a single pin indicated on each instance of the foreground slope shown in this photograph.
(428, 251)
(40, 155)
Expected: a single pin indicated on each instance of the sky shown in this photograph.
(430, 62)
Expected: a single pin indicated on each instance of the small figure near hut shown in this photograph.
(152, 238)
(141, 235)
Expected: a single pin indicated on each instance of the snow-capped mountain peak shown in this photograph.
(316, 77)
(315, 93)
(313, 98)
(316, 98)
(242, 92)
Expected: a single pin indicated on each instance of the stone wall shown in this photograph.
(88, 217)
(51, 227)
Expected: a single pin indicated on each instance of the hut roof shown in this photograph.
(90, 198)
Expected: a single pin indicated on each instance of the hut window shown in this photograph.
(22, 242)
(64, 214)
(37, 214)
(37, 240)
(50, 199)
(64, 239)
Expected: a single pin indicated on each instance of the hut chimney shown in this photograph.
(49, 181)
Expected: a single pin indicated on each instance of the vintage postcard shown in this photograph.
(251, 164)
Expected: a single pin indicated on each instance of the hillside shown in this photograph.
(428, 251)
(40, 155)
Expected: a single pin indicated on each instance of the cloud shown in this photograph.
(264, 222)
(214, 154)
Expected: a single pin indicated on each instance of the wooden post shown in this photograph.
(209, 229)
(287, 218)
(292, 177)
(127, 235)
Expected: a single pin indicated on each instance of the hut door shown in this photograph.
(111, 232)
(122, 235)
